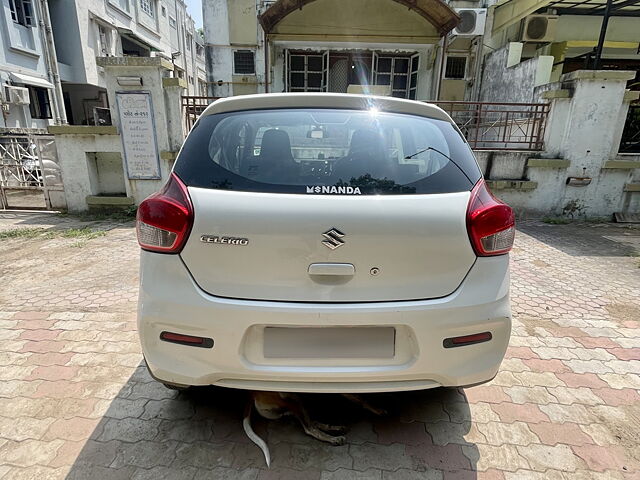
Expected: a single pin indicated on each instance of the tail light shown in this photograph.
(165, 218)
(491, 223)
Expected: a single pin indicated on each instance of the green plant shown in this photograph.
(84, 233)
(21, 233)
(556, 220)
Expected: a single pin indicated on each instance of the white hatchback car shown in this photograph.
(324, 243)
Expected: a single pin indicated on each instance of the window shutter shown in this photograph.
(27, 12)
(14, 12)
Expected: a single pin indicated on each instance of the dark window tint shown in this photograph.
(243, 62)
(39, 105)
(314, 150)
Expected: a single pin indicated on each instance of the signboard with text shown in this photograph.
(138, 132)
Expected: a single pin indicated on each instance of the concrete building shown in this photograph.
(48, 51)
(412, 49)
(86, 29)
(383, 46)
(28, 73)
(531, 43)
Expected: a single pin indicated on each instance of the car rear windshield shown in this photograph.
(326, 151)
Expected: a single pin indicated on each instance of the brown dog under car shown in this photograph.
(276, 405)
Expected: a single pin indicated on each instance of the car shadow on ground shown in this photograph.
(148, 431)
(587, 239)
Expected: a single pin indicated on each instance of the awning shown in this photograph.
(30, 80)
(131, 36)
(437, 12)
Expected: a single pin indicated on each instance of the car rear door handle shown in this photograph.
(340, 269)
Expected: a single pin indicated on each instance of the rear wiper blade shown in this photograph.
(409, 157)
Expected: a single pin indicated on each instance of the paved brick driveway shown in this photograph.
(75, 401)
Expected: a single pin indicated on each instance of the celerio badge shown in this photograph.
(224, 240)
(333, 238)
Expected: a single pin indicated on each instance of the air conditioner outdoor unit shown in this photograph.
(17, 95)
(472, 22)
(539, 28)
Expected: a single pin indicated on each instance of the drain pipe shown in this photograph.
(51, 61)
(443, 56)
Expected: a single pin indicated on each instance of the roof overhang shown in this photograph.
(31, 80)
(619, 8)
(132, 37)
(508, 12)
(436, 12)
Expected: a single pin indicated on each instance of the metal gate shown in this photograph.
(30, 173)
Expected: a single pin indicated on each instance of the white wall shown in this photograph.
(77, 38)
(584, 130)
(21, 51)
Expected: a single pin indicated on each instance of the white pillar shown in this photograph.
(219, 56)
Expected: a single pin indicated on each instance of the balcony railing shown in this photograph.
(487, 126)
(500, 126)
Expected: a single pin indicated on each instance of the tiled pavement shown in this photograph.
(75, 401)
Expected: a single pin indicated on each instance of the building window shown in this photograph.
(190, 79)
(22, 12)
(188, 40)
(172, 22)
(307, 72)
(120, 4)
(40, 106)
(104, 35)
(456, 68)
(243, 62)
(147, 7)
(400, 73)
(199, 50)
(164, 11)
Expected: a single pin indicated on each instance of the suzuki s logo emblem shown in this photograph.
(333, 237)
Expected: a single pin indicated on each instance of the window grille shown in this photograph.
(243, 62)
(456, 68)
(147, 7)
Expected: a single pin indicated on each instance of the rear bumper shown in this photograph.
(171, 301)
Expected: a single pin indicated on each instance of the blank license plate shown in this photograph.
(333, 342)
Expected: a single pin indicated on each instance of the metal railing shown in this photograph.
(630, 142)
(193, 106)
(487, 126)
(500, 125)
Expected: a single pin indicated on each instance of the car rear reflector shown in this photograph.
(164, 219)
(491, 223)
(466, 340)
(190, 340)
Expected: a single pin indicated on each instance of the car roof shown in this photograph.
(325, 100)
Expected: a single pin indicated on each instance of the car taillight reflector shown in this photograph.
(164, 219)
(467, 340)
(491, 223)
(190, 340)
